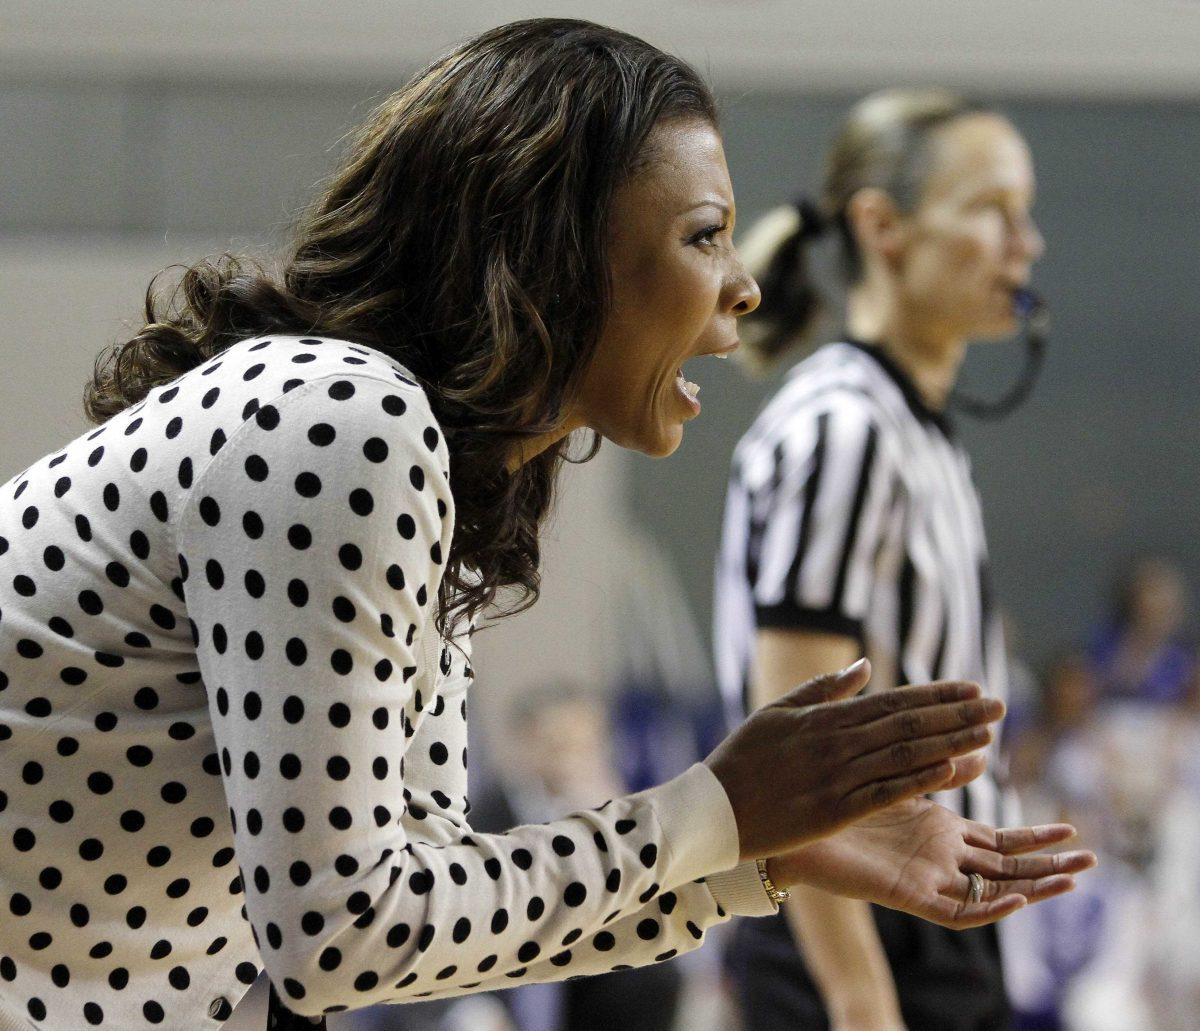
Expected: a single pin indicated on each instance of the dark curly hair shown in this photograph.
(466, 235)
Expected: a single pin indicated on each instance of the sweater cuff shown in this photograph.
(699, 830)
(740, 891)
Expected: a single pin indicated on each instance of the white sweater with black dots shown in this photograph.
(232, 738)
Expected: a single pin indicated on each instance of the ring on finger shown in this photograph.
(975, 888)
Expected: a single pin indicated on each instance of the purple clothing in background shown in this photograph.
(1165, 682)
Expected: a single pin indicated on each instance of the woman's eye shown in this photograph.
(707, 237)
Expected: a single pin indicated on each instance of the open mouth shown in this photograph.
(692, 390)
(689, 388)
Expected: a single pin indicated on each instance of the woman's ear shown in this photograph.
(877, 224)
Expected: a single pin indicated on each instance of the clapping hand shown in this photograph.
(819, 759)
(917, 856)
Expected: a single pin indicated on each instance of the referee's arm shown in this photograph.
(837, 935)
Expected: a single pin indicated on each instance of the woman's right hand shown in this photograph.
(818, 759)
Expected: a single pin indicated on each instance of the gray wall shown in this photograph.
(1099, 466)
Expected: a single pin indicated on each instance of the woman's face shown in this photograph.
(678, 288)
(971, 241)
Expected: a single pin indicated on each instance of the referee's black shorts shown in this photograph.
(947, 980)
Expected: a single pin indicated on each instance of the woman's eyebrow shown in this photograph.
(709, 202)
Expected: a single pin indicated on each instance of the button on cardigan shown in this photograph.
(232, 738)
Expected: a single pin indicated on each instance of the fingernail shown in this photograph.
(854, 667)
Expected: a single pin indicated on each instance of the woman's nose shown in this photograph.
(743, 295)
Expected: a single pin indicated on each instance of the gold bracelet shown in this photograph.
(776, 895)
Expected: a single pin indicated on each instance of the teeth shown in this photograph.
(723, 355)
(693, 389)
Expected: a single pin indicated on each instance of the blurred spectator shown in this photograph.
(1140, 654)
(1112, 749)
(1024, 696)
(1045, 734)
(1051, 765)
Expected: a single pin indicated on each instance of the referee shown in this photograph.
(852, 525)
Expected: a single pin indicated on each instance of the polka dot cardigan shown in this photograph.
(232, 737)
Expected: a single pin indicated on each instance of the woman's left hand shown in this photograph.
(916, 857)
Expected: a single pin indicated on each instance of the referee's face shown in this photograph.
(971, 240)
(678, 287)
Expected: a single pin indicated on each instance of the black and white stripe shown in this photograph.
(851, 510)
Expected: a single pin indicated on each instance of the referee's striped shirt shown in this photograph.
(851, 510)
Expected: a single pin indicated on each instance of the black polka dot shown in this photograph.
(361, 502)
(296, 652)
(256, 468)
(61, 811)
(297, 592)
(99, 782)
(308, 485)
(252, 525)
(350, 557)
(322, 434)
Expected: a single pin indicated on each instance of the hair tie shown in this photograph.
(812, 222)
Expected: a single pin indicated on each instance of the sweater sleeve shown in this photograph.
(311, 551)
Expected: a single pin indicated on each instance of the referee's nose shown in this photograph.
(1026, 240)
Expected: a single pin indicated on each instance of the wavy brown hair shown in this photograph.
(466, 235)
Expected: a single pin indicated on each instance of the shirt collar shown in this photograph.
(907, 387)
